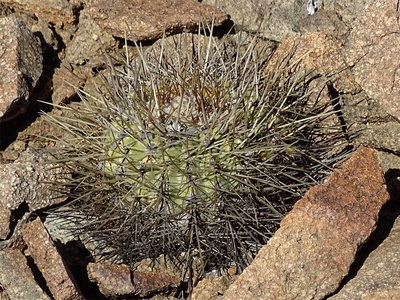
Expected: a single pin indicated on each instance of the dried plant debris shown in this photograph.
(194, 151)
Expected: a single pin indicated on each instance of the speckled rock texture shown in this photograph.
(46, 257)
(312, 251)
(373, 48)
(16, 278)
(149, 19)
(274, 19)
(55, 11)
(379, 277)
(20, 66)
(382, 136)
(278, 20)
(326, 21)
(27, 181)
(89, 43)
(120, 280)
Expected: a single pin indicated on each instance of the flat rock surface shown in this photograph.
(312, 251)
(20, 66)
(16, 278)
(379, 277)
(373, 48)
(148, 19)
(45, 255)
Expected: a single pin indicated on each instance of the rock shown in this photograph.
(89, 43)
(16, 278)
(275, 20)
(60, 228)
(314, 51)
(312, 251)
(372, 49)
(213, 288)
(379, 277)
(325, 21)
(103, 24)
(20, 66)
(13, 151)
(148, 19)
(5, 220)
(32, 137)
(46, 257)
(55, 11)
(113, 280)
(116, 280)
(381, 136)
(347, 10)
(65, 84)
(27, 181)
(388, 161)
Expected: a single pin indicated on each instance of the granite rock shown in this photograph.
(26, 181)
(314, 51)
(372, 49)
(120, 280)
(65, 84)
(46, 257)
(312, 251)
(379, 277)
(277, 20)
(149, 19)
(20, 66)
(89, 43)
(16, 278)
(213, 288)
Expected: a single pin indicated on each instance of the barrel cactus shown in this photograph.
(193, 152)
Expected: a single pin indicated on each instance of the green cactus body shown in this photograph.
(161, 166)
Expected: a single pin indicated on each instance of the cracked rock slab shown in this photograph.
(148, 19)
(46, 257)
(379, 277)
(16, 277)
(317, 242)
(20, 66)
(373, 48)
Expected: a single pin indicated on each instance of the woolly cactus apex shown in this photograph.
(196, 152)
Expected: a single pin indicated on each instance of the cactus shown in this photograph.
(194, 153)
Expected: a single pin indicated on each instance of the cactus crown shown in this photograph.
(193, 153)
